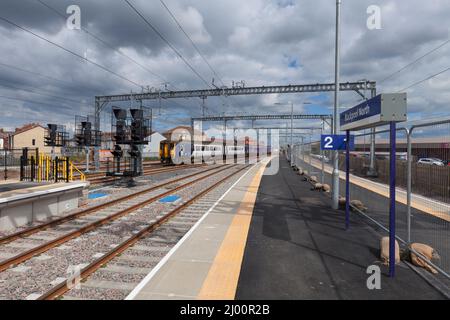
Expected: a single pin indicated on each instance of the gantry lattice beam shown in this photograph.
(275, 128)
(265, 117)
(302, 88)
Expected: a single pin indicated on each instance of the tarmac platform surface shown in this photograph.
(6, 187)
(298, 248)
(272, 237)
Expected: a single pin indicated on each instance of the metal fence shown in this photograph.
(423, 190)
(10, 162)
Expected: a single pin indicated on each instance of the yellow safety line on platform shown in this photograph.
(221, 281)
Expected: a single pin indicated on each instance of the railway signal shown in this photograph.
(50, 138)
(117, 152)
(138, 127)
(56, 136)
(134, 151)
(80, 140)
(120, 125)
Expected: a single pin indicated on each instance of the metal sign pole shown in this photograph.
(347, 181)
(335, 175)
(87, 160)
(322, 155)
(392, 160)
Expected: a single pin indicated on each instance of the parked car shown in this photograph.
(318, 156)
(431, 161)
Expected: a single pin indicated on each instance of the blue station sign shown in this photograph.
(336, 142)
(377, 111)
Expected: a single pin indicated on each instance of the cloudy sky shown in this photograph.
(262, 42)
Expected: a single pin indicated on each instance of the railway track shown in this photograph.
(104, 166)
(102, 173)
(105, 179)
(58, 221)
(163, 220)
(130, 203)
(129, 211)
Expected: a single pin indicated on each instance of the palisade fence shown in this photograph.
(10, 163)
(423, 190)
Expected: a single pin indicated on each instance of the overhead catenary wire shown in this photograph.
(46, 76)
(149, 24)
(41, 93)
(423, 80)
(105, 43)
(415, 61)
(34, 73)
(191, 41)
(71, 52)
(34, 102)
(194, 46)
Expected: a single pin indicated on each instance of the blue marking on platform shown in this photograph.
(168, 199)
(96, 195)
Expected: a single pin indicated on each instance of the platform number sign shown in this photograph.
(335, 142)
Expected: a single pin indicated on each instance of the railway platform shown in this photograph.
(272, 237)
(22, 203)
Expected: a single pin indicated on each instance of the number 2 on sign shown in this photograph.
(328, 143)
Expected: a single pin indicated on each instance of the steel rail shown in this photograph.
(94, 175)
(105, 179)
(24, 256)
(62, 287)
(43, 226)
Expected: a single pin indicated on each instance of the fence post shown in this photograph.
(33, 171)
(310, 155)
(322, 157)
(392, 160)
(55, 168)
(408, 185)
(6, 166)
(67, 169)
(347, 180)
(21, 168)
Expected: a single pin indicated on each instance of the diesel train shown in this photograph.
(181, 152)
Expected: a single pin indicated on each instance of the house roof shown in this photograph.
(27, 127)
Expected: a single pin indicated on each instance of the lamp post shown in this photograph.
(335, 178)
(292, 122)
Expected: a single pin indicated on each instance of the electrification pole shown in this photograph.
(292, 125)
(372, 167)
(335, 181)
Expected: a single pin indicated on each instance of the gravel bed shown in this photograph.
(145, 253)
(149, 241)
(98, 293)
(88, 247)
(61, 229)
(114, 192)
(133, 264)
(116, 276)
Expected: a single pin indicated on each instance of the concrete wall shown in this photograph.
(20, 212)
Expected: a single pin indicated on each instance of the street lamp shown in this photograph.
(335, 175)
(292, 121)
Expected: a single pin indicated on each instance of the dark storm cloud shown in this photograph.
(30, 14)
(255, 41)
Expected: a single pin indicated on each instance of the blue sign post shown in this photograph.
(347, 182)
(336, 142)
(381, 110)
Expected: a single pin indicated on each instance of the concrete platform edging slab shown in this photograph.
(155, 270)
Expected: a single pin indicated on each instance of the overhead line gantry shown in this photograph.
(359, 86)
